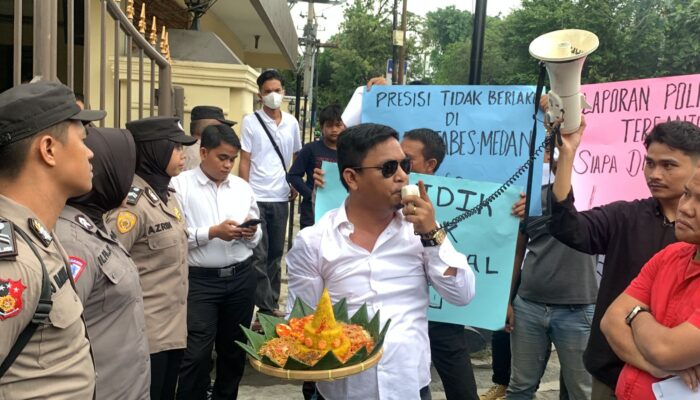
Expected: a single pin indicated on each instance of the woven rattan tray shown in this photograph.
(317, 375)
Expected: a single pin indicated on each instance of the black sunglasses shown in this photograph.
(390, 167)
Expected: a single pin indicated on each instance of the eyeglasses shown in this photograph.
(390, 167)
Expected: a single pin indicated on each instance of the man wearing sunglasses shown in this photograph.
(382, 250)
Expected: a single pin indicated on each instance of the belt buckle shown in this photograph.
(226, 272)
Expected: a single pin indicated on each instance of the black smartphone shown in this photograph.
(249, 223)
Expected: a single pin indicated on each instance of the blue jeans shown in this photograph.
(539, 325)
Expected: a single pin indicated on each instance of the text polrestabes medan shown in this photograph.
(496, 142)
(452, 98)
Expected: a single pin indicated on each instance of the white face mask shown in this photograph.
(273, 100)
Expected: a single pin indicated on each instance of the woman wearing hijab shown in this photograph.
(106, 278)
(151, 226)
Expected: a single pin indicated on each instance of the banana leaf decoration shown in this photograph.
(329, 361)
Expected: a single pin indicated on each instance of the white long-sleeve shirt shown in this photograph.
(205, 204)
(393, 278)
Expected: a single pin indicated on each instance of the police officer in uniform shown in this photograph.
(201, 117)
(152, 228)
(106, 278)
(44, 349)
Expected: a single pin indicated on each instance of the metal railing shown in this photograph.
(126, 37)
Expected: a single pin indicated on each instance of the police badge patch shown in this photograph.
(77, 266)
(10, 297)
(126, 221)
(40, 232)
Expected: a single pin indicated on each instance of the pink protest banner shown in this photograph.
(609, 165)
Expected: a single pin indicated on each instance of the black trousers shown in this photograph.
(450, 356)
(164, 368)
(216, 306)
(500, 357)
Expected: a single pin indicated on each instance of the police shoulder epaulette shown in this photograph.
(133, 197)
(8, 240)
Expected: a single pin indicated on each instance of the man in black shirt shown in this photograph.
(628, 233)
(311, 156)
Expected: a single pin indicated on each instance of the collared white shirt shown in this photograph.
(393, 278)
(204, 205)
(267, 175)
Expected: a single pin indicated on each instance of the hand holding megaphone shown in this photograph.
(418, 209)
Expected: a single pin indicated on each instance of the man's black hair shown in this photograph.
(331, 113)
(213, 135)
(357, 141)
(433, 145)
(13, 156)
(679, 135)
(268, 75)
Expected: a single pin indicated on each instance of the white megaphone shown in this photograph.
(564, 53)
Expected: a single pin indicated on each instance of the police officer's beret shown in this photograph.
(210, 112)
(156, 128)
(28, 109)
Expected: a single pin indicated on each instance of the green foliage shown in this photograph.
(638, 39)
(364, 44)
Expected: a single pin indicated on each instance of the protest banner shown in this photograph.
(609, 164)
(486, 128)
(487, 239)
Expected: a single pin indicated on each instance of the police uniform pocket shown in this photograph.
(162, 241)
(66, 307)
(66, 326)
(121, 283)
(164, 247)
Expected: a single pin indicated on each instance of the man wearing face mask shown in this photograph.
(270, 139)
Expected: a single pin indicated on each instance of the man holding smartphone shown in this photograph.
(223, 227)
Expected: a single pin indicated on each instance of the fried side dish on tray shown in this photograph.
(310, 338)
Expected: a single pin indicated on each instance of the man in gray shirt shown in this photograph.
(554, 304)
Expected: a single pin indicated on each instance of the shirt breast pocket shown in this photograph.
(65, 316)
(119, 289)
(164, 246)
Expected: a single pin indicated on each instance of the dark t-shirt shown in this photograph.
(554, 273)
(629, 233)
(309, 157)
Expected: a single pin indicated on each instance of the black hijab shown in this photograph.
(153, 159)
(113, 168)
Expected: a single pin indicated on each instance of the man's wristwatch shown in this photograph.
(635, 311)
(433, 238)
